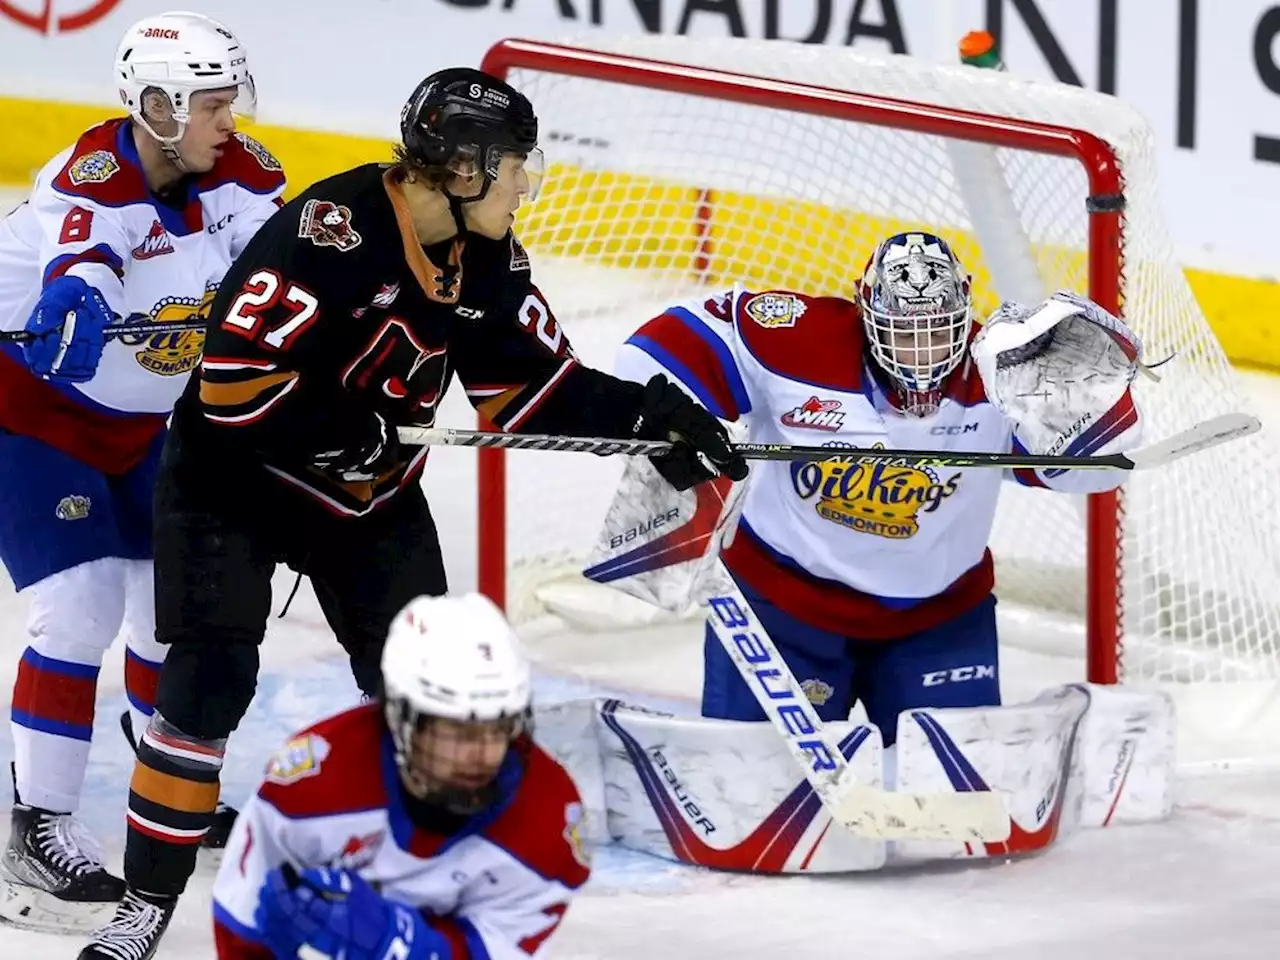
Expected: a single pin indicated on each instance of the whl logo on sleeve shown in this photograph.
(815, 414)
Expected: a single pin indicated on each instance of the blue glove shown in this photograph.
(67, 327)
(337, 913)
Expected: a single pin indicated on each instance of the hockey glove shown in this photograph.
(67, 327)
(375, 451)
(701, 450)
(1057, 368)
(337, 913)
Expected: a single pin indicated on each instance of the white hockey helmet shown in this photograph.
(456, 657)
(180, 54)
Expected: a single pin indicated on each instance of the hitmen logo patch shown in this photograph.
(328, 224)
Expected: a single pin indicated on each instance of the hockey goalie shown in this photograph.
(873, 579)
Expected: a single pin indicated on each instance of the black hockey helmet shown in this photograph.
(465, 120)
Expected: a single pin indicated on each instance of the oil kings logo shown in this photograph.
(815, 414)
(882, 499)
(676, 788)
(176, 353)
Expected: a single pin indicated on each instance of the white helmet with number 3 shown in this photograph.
(180, 54)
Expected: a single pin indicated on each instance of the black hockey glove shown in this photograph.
(375, 450)
(701, 448)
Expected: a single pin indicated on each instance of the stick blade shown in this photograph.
(978, 817)
(1210, 433)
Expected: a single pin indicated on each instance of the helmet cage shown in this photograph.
(917, 311)
(407, 723)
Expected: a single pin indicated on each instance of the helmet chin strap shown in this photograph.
(168, 145)
(456, 203)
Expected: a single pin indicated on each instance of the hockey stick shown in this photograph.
(862, 810)
(119, 330)
(1208, 433)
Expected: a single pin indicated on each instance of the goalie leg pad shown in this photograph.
(955, 664)
(820, 660)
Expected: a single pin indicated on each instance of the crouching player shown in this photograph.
(424, 825)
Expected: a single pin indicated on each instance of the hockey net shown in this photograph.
(677, 168)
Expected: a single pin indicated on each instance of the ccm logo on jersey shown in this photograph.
(937, 678)
(815, 414)
(775, 309)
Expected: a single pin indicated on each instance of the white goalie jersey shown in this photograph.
(892, 547)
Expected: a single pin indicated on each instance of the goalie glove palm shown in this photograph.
(701, 450)
(1053, 369)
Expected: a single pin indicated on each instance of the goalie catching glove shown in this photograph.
(701, 450)
(1056, 368)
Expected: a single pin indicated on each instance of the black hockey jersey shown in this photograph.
(335, 309)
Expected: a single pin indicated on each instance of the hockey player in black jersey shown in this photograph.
(350, 312)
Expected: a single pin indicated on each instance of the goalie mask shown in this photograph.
(916, 308)
(456, 698)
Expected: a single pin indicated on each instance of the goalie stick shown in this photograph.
(1208, 433)
(978, 817)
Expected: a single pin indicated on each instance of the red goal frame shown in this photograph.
(1105, 210)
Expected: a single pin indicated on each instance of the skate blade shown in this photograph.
(32, 909)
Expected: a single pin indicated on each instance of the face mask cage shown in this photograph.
(917, 312)
(426, 744)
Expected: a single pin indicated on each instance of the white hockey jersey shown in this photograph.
(496, 890)
(92, 215)
(869, 550)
